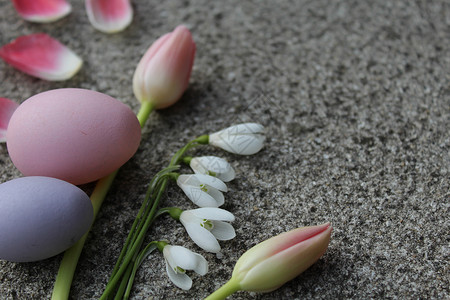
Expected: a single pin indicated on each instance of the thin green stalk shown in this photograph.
(69, 262)
(231, 287)
(142, 215)
(123, 285)
(147, 214)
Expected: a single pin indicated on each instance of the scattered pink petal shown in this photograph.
(109, 15)
(42, 11)
(41, 56)
(7, 108)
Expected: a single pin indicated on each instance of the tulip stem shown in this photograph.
(70, 259)
(144, 112)
(231, 287)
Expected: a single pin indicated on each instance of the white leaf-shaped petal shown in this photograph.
(185, 258)
(211, 181)
(211, 213)
(199, 197)
(218, 197)
(179, 279)
(244, 139)
(223, 231)
(202, 237)
(206, 164)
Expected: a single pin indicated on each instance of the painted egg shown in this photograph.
(41, 217)
(76, 135)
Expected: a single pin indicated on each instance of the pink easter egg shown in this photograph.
(76, 135)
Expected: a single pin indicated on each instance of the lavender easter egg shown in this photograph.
(41, 217)
(76, 135)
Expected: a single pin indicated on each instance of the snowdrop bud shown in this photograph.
(244, 139)
(163, 73)
(272, 263)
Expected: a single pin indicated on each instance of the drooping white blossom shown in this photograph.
(178, 260)
(203, 190)
(207, 225)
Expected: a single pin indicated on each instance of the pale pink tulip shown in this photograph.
(163, 73)
(42, 11)
(272, 263)
(109, 16)
(41, 56)
(7, 108)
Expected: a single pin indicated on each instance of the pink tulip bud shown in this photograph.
(163, 73)
(272, 263)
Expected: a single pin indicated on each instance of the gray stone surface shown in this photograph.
(355, 97)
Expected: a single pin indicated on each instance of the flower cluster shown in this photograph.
(206, 225)
(209, 224)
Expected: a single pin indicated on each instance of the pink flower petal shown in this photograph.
(109, 15)
(7, 108)
(42, 11)
(41, 56)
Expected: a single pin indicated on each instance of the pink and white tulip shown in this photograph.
(272, 263)
(7, 108)
(109, 16)
(41, 56)
(162, 75)
(42, 11)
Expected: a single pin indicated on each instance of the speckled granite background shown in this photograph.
(355, 96)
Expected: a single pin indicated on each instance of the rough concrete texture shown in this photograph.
(355, 97)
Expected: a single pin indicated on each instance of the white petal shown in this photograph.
(203, 164)
(218, 197)
(180, 280)
(244, 128)
(188, 260)
(202, 237)
(223, 231)
(199, 197)
(185, 180)
(202, 265)
(244, 139)
(211, 213)
(211, 181)
(227, 176)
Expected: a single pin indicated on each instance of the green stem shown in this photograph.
(225, 290)
(144, 112)
(70, 259)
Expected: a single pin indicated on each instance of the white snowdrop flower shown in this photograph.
(178, 260)
(244, 139)
(214, 166)
(203, 190)
(206, 225)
